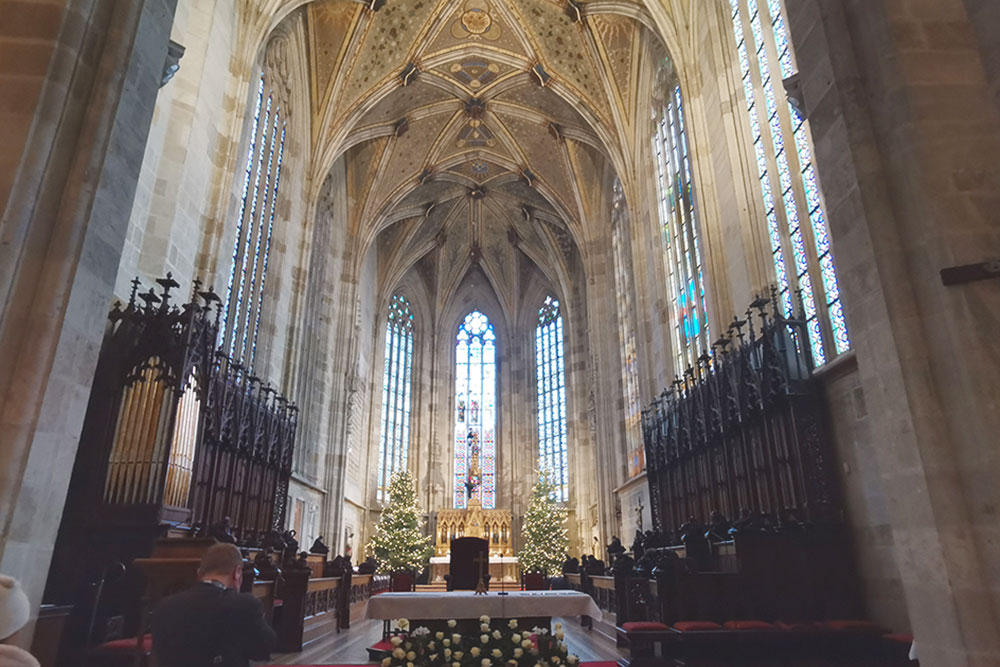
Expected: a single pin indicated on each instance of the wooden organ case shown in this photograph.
(177, 436)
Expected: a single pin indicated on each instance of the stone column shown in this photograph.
(62, 233)
(907, 138)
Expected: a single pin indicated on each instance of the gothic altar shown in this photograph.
(493, 525)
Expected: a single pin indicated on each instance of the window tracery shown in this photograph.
(782, 146)
(397, 381)
(475, 408)
(240, 327)
(550, 378)
(681, 237)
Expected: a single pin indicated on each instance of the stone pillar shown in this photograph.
(907, 137)
(62, 233)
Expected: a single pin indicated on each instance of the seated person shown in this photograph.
(14, 612)
(212, 623)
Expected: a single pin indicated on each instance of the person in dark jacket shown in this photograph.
(212, 624)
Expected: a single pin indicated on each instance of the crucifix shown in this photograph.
(480, 561)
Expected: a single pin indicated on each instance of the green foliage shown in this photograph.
(546, 541)
(399, 542)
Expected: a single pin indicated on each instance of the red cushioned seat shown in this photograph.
(384, 645)
(748, 625)
(899, 638)
(126, 645)
(696, 626)
(854, 625)
(644, 626)
(796, 626)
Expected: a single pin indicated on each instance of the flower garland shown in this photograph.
(497, 645)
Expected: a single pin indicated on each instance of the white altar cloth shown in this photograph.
(466, 604)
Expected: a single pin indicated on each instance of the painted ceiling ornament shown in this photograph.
(474, 73)
(475, 22)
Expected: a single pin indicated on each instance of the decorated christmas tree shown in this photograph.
(545, 538)
(399, 542)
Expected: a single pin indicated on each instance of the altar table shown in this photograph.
(466, 604)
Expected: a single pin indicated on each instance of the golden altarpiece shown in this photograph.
(494, 525)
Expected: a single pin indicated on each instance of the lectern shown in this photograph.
(463, 570)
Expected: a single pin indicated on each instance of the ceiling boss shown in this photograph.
(475, 22)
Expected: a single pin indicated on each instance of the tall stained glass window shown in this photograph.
(476, 408)
(240, 327)
(685, 272)
(394, 443)
(796, 218)
(626, 329)
(550, 376)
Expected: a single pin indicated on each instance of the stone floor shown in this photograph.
(348, 646)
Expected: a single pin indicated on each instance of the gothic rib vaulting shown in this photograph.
(476, 137)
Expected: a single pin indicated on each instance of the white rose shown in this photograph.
(447, 642)
(555, 660)
(386, 662)
(411, 656)
(458, 655)
(487, 662)
(439, 635)
(512, 623)
(516, 638)
(451, 624)
(558, 626)
(474, 651)
(431, 645)
(433, 656)
(399, 653)
(484, 638)
(518, 652)
(447, 652)
(572, 659)
(409, 664)
(484, 627)
(526, 643)
(496, 634)
(484, 619)
(560, 634)
(403, 624)
(456, 638)
(496, 653)
(396, 641)
(512, 662)
(455, 664)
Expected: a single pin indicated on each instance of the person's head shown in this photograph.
(223, 563)
(14, 608)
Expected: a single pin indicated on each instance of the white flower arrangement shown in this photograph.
(499, 645)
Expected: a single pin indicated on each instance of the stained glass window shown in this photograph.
(796, 217)
(476, 408)
(626, 328)
(678, 215)
(394, 443)
(550, 376)
(240, 327)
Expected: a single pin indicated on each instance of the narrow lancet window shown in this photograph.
(394, 443)
(550, 376)
(682, 244)
(475, 411)
(240, 328)
(796, 218)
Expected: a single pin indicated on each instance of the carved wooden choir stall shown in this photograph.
(742, 436)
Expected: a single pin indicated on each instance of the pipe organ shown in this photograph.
(177, 435)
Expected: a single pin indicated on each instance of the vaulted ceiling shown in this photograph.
(479, 130)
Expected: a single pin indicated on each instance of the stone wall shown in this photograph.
(64, 225)
(906, 137)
